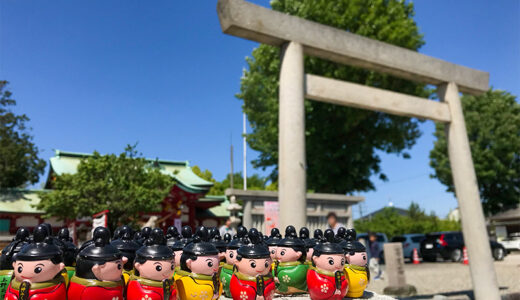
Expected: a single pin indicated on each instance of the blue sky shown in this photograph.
(97, 75)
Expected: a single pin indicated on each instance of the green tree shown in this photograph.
(391, 223)
(493, 125)
(19, 161)
(254, 182)
(342, 142)
(124, 184)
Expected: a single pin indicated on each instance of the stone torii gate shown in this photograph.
(297, 37)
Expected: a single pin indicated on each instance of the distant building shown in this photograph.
(318, 206)
(454, 215)
(506, 223)
(186, 201)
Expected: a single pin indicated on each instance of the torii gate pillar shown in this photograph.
(291, 138)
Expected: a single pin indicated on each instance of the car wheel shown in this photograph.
(429, 258)
(498, 253)
(456, 255)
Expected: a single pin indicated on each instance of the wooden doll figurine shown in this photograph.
(216, 240)
(356, 268)
(69, 251)
(309, 244)
(290, 269)
(172, 235)
(154, 265)
(252, 279)
(226, 272)
(99, 270)
(177, 247)
(326, 277)
(145, 234)
(197, 278)
(272, 242)
(6, 259)
(317, 237)
(125, 243)
(37, 270)
(341, 237)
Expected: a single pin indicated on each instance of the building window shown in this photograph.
(4, 226)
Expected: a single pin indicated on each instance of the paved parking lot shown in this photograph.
(453, 279)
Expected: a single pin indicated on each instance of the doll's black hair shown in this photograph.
(84, 267)
(255, 248)
(99, 252)
(42, 247)
(154, 249)
(20, 239)
(127, 245)
(67, 247)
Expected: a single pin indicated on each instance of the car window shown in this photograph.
(380, 238)
(398, 239)
(417, 239)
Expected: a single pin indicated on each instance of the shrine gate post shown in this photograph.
(298, 37)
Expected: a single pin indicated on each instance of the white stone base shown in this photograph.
(366, 295)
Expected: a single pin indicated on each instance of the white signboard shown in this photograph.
(99, 221)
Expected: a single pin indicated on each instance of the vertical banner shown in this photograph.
(270, 215)
(72, 232)
(99, 219)
(177, 223)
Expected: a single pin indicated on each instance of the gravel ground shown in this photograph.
(453, 279)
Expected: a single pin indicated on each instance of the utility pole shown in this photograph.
(244, 146)
(231, 156)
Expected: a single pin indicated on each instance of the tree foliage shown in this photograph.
(124, 184)
(341, 141)
(254, 182)
(19, 161)
(390, 222)
(493, 126)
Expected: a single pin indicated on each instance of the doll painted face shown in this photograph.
(286, 254)
(205, 265)
(221, 255)
(231, 256)
(178, 255)
(254, 267)
(156, 269)
(329, 262)
(36, 271)
(272, 251)
(110, 271)
(358, 258)
(310, 251)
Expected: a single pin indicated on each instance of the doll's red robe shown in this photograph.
(52, 290)
(139, 288)
(90, 289)
(322, 284)
(245, 287)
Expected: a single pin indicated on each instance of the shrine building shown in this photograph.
(186, 202)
